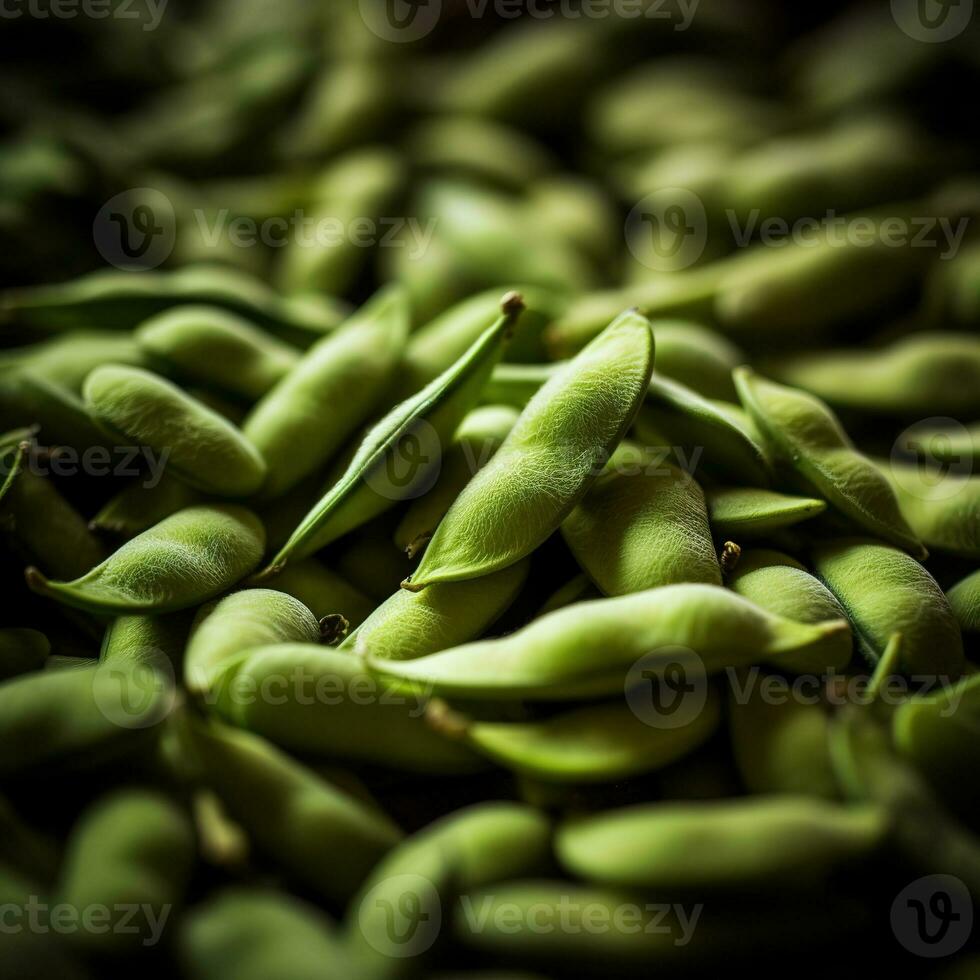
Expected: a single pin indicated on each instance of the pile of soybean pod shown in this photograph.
(505, 596)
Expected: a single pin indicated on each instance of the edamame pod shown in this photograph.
(589, 649)
(752, 512)
(138, 506)
(697, 358)
(21, 652)
(66, 360)
(302, 422)
(643, 523)
(156, 642)
(208, 346)
(884, 591)
(421, 425)
(319, 834)
(225, 629)
(324, 592)
(780, 842)
(184, 560)
(807, 436)
(203, 449)
(413, 624)
(566, 432)
(964, 600)
(781, 585)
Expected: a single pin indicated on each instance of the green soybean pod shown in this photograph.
(132, 849)
(780, 737)
(184, 560)
(752, 512)
(417, 429)
(480, 845)
(152, 641)
(21, 652)
(947, 444)
(324, 703)
(208, 346)
(643, 523)
(203, 449)
(320, 835)
(925, 374)
(516, 384)
(514, 504)
(140, 505)
(324, 592)
(413, 624)
(697, 357)
(937, 732)
(783, 586)
(941, 507)
(600, 743)
(302, 422)
(225, 629)
(479, 436)
(806, 435)
(884, 591)
(253, 933)
(778, 842)
(964, 600)
(588, 649)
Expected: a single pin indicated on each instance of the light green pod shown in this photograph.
(601, 743)
(780, 843)
(400, 454)
(926, 374)
(302, 422)
(183, 561)
(750, 512)
(224, 630)
(318, 701)
(568, 429)
(324, 592)
(580, 212)
(516, 384)
(937, 732)
(420, 879)
(202, 448)
(137, 507)
(131, 850)
(589, 649)
(413, 624)
(964, 600)
(208, 346)
(717, 436)
(958, 444)
(321, 836)
(780, 741)
(643, 523)
(781, 585)
(884, 591)
(21, 652)
(805, 435)
(253, 933)
(942, 508)
(478, 437)
(155, 642)
(697, 357)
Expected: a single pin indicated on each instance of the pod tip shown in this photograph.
(36, 581)
(409, 586)
(512, 303)
(333, 629)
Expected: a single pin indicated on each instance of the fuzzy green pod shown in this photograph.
(884, 591)
(225, 629)
(183, 561)
(588, 649)
(203, 449)
(643, 523)
(752, 512)
(547, 462)
(21, 652)
(964, 600)
(807, 436)
(208, 346)
(303, 421)
(780, 842)
(783, 586)
(156, 642)
(414, 624)
(319, 834)
(413, 432)
(133, 849)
